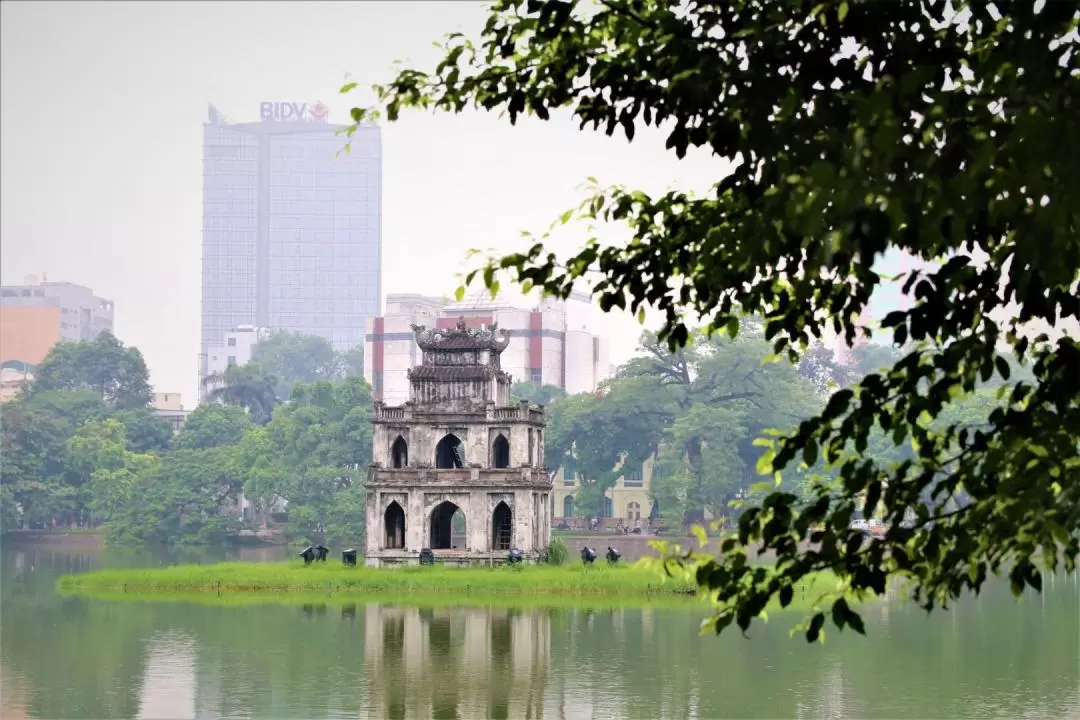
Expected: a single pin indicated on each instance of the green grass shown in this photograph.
(573, 580)
(291, 583)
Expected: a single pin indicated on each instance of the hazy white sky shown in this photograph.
(101, 111)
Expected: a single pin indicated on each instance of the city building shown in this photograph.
(235, 348)
(552, 344)
(170, 406)
(35, 316)
(627, 501)
(457, 471)
(291, 226)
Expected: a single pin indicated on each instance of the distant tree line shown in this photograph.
(82, 447)
(698, 412)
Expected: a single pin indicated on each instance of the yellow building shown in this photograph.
(627, 500)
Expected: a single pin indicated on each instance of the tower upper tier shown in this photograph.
(460, 370)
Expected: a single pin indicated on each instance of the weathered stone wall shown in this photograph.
(529, 506)
(459, 396)
(526, 491)
(476, 431)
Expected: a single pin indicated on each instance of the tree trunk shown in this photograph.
(696, 497)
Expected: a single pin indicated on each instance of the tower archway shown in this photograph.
(399, 453)
(449, 453)
(500, 452)
(441, 527)
(502, 527)
(394, 524)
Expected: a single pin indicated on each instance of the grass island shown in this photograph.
(237, 583)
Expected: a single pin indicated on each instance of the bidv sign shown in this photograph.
(293, 112)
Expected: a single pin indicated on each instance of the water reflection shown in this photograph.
(69, 657)
(422, 663)
(168, 686)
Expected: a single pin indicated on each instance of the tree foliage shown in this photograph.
(180, 498)
(212, 425)
(296, 358)
(145, 431)
(847, 128)
(536, 394)
(248, 387)
(103, 365)
(313, 455)
(70, 458)
(299, 358)
(695, 411)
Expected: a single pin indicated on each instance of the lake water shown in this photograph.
(76, 658)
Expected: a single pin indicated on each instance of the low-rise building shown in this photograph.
(235, 349)
(627, 501)
(35, 316)
(170, 407)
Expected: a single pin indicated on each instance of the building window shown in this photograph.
(232, 360)
(232, 342)
(536, 376)
(632, 478)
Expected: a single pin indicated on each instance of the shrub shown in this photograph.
(558, 552)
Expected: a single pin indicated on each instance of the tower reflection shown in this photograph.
(458, 663)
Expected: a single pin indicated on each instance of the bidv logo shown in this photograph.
(293, 112)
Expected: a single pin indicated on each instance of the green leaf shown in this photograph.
(803, 205)
(733, 327)
(1002, 367)
(810, 452)
(765, 462)
(813, 632)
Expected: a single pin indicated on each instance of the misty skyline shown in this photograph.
(102, 112)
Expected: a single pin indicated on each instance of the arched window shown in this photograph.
(449, 453)
(394, 522)
(399, 453)
(568, 506)
(502, 527)
(500, 452)
(442, 526)
(633, 511)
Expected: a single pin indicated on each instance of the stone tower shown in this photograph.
(458, 445)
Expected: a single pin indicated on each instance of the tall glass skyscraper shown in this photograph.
(292, 235)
